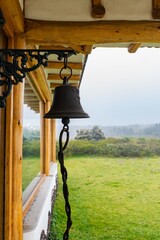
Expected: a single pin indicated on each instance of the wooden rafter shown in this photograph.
(28, 98)
(156, 9)
(90, 33)
(52, 76)
(133, 47)
(54, 47)
(98, 10)
(59, 65)
(54, 85)
(29, 93)
(39, 83)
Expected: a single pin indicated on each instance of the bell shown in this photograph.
(66, 103)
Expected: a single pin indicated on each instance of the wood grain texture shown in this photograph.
(133, 47)
(13, 14)
(90, 33)
(17, 141)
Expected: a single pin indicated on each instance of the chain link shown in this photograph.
(64, 174)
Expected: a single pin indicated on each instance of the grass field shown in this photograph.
(30, 169)
(111, 199)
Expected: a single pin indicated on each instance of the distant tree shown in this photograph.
(95, 134)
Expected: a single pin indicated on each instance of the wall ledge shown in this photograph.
(37, 218)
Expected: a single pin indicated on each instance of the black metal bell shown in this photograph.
(66, 103)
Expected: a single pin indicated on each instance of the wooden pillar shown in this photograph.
(18, 98)
(8, 160)
(2, 146)
(53, 140)
(45, 142)
(42, 140)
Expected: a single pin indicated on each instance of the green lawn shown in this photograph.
(111, 199)
(30, 169)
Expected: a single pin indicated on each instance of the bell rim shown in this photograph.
(70, 115)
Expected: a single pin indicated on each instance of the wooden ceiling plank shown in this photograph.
(29, 93)
(133, 47)
(90, 33)
(98, 10)
(52, 76)
(59, 65)
(156, 9)
(31, 100)
(13, 14)
(54, 47)
(54, 85)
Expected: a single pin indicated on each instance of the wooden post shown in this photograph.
(42, 140)
(18, 97)
(45, 144)
(53, 140)
(2, 129)
(8, 161)
(47, 140)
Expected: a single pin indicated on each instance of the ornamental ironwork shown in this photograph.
(16, 63)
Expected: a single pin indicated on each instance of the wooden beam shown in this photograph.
(31, 100)
(7, 28)
(90, 33)
(88, 49)
(54, 85)
(27, 86)
(80, 49)
(52, 76)
(133, 47)
(13, 14)
(28, 98)
(98, 10)
(59, 65)
(29, 93)
(156, 9)
(54, 47)
(32, 105)
(38, 82)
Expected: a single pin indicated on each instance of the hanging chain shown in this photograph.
(65, 77)
(62, 147)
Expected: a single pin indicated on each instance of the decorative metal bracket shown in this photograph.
(15, 64)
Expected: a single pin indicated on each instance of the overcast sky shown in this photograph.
(119, 88)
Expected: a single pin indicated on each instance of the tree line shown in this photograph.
(93, 142)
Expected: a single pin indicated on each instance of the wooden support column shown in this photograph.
(45, 144)
(2, 146)
(53, 140)
(2, 152)
(8, 161)
(42, 140)
(18, 97)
